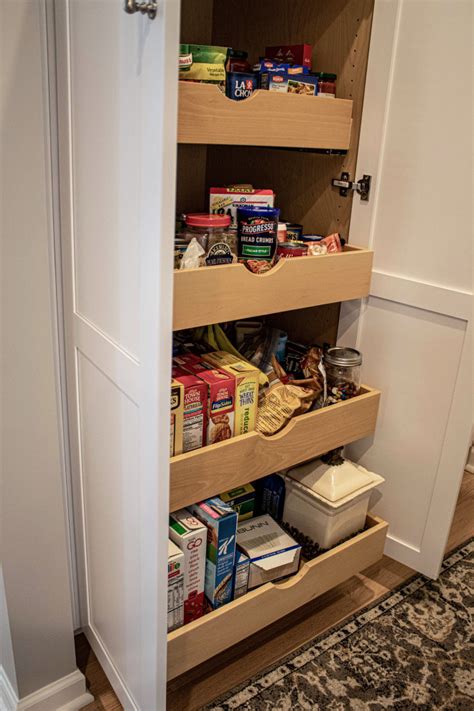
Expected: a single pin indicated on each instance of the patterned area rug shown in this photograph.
(413, 649)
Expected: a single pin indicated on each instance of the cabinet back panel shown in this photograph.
(340, 34)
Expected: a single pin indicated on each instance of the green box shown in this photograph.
(242, 500)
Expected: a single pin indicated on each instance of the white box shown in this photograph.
(328, 503)
(175, 587)
(190, 535)
(272, 552)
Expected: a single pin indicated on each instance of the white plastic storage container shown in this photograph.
(328, 502)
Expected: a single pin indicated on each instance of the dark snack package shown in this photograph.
(240, 85)
(257, 237)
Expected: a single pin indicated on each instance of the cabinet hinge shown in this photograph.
(361, 186)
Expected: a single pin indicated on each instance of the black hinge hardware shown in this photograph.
(361, 186)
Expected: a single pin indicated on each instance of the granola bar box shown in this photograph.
(221, 522)
(190, 535)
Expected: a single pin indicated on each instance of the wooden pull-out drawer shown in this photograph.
(232, 292)
(206, 472)
(202, 639)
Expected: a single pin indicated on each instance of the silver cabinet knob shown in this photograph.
(146, 8)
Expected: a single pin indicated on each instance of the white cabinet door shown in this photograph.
(414, 329)
(117, 107)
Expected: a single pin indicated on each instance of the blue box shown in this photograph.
(240, 85)
(221, 522)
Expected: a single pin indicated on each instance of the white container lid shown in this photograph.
(334, 485)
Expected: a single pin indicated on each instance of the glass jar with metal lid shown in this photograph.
(342, 372)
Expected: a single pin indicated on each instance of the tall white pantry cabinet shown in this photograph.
(113, 83)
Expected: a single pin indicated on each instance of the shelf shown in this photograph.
(266, 118)
(231, 292)
(202, 639)
(211, 470)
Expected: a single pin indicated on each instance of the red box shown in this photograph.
(291, 54)
(195, 411)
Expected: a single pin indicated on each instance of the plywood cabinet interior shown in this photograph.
(339, 32)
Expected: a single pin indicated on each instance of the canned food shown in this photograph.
(294, 232)
(291, 249)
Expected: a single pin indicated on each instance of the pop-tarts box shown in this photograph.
(221, 522)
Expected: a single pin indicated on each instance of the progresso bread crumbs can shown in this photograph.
(257, 234)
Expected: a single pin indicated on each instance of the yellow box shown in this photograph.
(246, 388)
(177, 417)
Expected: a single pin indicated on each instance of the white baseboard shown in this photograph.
(8, 697)
(66, 694)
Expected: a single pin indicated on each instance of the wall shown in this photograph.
(34, 552)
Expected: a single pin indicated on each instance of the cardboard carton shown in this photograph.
(221, 522)
(246, 389)
(175, 587)
(190, 535)
(241, 574)
(176, 418)
(272, 552)
(242, 500)
(194, 412)
(225, 201)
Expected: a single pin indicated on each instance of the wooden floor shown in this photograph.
(199, 686)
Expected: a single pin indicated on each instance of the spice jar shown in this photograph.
(327, 85)
(342, 372)
(213, 234)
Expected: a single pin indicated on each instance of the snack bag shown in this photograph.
(257, 235)
(208, 64)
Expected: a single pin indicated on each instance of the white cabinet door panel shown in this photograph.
(415, 328)
(116, 80)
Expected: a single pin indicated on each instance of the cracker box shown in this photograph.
(175, 587)
(291, 54)
(272, 552)
(190, 535)
(241, 574)
(242, 500)
(220, 400)
(225, 201)
(176, 418)
(246, 389)
(194, 411)
(221, 522)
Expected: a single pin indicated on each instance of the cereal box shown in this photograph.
(225, 201)
(175, 587)
(241, 574)
(176, 418)
(246, 389)
(194, 412)
(242, 500)
(190, 535)
(221, 522)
